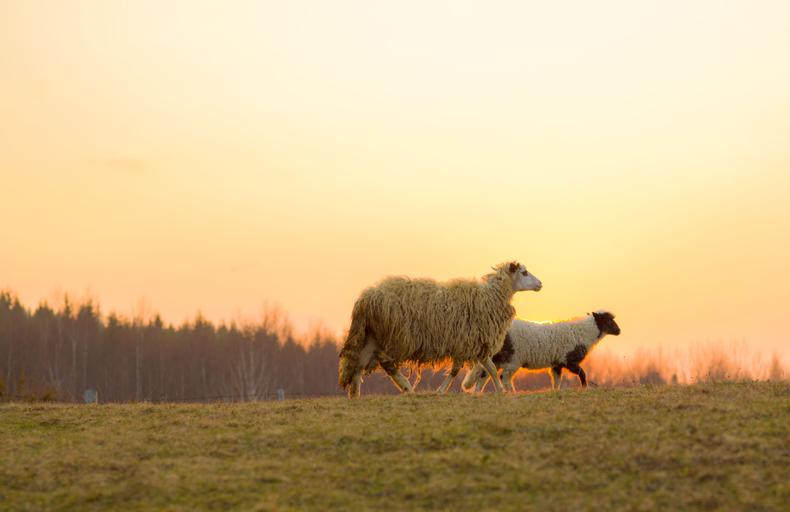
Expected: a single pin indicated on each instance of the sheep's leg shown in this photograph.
(507, 378)
(353, 389)
(556, 377)
(401, 382)
(368, 361)
(488, 364)
(582, 377)
(394, 372)
(482, 378)
(450, 376)
(577, 370)
(470, 381)
(476, 379)
(482, 381)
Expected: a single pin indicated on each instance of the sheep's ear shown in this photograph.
(513, 267)
(493, 268)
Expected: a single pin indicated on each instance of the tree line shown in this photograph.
(73, 347)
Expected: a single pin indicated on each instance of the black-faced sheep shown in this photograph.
(546, 345)
(401, 320)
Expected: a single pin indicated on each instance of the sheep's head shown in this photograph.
(521, 279)
(606, 324)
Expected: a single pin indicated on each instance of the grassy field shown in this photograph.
(723, 446)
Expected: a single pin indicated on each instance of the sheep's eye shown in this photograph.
(525, 273)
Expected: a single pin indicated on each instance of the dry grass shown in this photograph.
(710, 446)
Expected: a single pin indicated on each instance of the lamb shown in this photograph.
(543, 345)
(420, 321)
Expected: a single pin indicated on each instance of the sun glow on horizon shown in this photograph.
(213, 156)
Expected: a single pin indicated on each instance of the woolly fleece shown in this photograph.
(541, 345)
(422, 321)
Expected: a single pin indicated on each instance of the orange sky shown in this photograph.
(212, 155)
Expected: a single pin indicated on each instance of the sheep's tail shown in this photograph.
(471, 378)
(352, 348)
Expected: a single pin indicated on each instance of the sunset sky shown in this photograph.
(210, 156)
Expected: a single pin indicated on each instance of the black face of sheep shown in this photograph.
(606, 324)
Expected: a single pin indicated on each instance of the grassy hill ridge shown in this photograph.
(710, 446)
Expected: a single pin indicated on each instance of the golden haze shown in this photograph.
(210, 156)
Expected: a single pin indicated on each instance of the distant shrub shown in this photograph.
(699, 362)
(27, 388)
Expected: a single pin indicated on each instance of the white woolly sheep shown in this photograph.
(544, 345)
(401, 320)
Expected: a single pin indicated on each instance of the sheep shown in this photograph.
(420, 321)
(543, 345)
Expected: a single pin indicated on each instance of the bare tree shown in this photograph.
(141, 315)
(253, 344)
